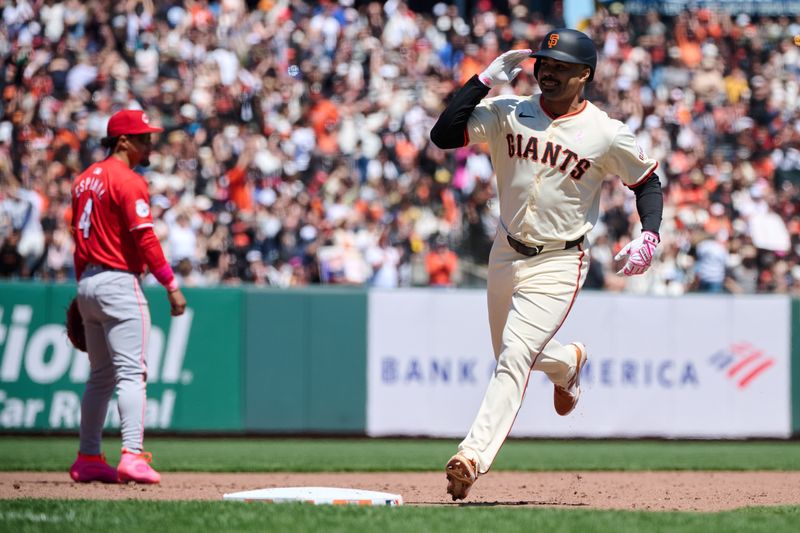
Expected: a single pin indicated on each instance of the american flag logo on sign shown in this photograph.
(741, 363)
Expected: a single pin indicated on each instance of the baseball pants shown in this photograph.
(117, 322)
(528, 300)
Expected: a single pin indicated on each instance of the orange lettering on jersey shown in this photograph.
(552, 41)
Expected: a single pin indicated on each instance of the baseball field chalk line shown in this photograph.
(316, 496)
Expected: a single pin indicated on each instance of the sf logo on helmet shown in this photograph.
(552, 41)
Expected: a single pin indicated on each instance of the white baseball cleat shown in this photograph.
(461, 474)
(566, 398)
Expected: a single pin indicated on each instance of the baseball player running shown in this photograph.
(114, 241)
(550, 152)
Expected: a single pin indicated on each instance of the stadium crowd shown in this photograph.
(296, 146)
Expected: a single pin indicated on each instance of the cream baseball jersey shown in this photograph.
(549, 170)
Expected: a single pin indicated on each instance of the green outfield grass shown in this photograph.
(370, 455)
(82, 516)
(318, 455)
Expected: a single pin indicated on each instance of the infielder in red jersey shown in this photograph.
(551, 153)
(114, 242)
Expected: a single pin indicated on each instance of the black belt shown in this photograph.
(531, 251)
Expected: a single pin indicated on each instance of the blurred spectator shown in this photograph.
(23, 207)
(11, 263)
(385, 259)
(187, 275)
(711, 263)
(441, 263)
(182, 239)
(743, 272)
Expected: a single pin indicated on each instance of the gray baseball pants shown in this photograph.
(117, 322)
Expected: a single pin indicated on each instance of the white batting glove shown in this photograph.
(504, 68)
(640, 253)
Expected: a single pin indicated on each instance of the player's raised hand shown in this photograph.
(504, 68)
(640, 253)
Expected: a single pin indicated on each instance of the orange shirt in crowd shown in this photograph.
(688, 196)
(239, 189)
(717, 224)
(469, 67)
(450, 205)
(323, 113)
(440, 266)
(202, 17)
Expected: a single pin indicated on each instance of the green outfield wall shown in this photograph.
(305, 359)
(795, 347)
(194, 361)
(253, 360)
(238, 360)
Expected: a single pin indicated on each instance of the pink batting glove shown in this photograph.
(640, 253)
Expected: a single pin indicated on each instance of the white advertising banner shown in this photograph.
(690, 367)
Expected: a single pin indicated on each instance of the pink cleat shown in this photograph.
(87, 468)
(136, 467)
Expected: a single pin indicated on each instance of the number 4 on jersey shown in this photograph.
(85, 222)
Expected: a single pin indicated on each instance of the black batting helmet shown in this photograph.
(569, 46)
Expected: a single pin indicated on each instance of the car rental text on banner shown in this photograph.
(690, 367)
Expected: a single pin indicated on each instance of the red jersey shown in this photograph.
(109, 202)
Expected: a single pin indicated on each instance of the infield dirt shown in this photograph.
(650, 491)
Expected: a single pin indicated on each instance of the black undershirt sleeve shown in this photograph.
(650, 203)
(450, 131)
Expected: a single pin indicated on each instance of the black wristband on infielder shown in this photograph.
(650, 204)
(451, 128)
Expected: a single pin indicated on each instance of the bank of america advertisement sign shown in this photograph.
(689, 367)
